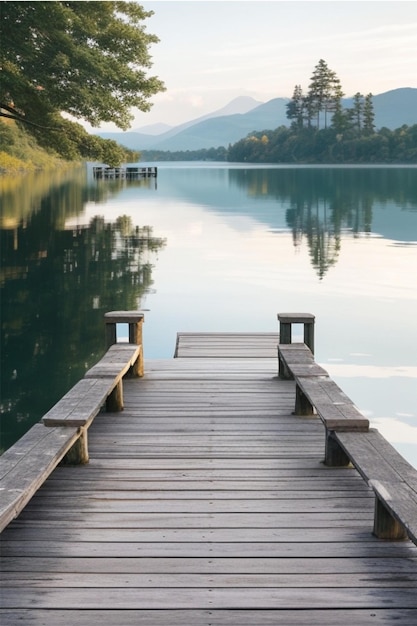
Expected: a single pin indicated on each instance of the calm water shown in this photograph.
(212, 247)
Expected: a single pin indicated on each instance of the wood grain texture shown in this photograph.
(206, 502)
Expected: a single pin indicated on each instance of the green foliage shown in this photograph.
(349, 136)
(205, 154)
(85, 59)
(308, 145)
(68, 141)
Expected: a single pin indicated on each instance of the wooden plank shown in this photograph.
(37, 518)
(376, 564)
(206, 502)
(214, 505)
(209, 617)
(305, 549)
(80, 405)
(333, 406)
(239, 345)
(116, 362)
(210, 598)
(178, 580)
(22, 477)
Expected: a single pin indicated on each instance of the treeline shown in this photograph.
(321, 131)
(309, 145)
(306, 145)
(205, 154)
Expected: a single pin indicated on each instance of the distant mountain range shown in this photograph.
(243, 115)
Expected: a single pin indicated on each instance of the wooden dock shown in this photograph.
(124, 173)
(205, 502)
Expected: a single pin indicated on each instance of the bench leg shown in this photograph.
(335, 456)
(385, 525)
(78, 453)
(283, 371)
(114, 402)
(135, 336)
(303, 405)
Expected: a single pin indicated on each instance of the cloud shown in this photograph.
(395, 430)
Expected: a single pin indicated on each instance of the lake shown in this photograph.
(212, 247)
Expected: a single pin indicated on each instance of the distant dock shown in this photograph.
(124, 173)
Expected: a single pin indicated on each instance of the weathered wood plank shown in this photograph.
(210, 617)
(80, 405)
(210, 598)
(372, 565)
(27, 466)
(206, 502)
(178, 580)
(116, 362)
(332, 519)
(358, 550)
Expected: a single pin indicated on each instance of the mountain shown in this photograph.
(392, 109)
(209, 131)
(153, 129)
(143, 139)
(241, 104)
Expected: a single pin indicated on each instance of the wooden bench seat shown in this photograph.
(80, 404)
(349, 440)
(117, 361)
(392, 478)
(25, 466)
(120, 360)
(296, 359)
(332, 405)
(101, 384)
(317, 393)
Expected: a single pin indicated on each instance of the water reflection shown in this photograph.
(242, 243)
(322, 202)
(56, 285)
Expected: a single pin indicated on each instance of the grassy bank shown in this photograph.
(19, 151)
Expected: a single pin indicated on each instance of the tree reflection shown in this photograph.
(323, 202)
(56, 285)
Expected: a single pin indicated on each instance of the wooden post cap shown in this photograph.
(124, 317)
(296, 318)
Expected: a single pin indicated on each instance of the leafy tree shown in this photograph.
(85, 59)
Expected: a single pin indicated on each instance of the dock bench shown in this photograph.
(27, 464)
(349, 440)
(317, 393)
(61, 435)
(392, 478)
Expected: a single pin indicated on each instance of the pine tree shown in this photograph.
(295, 108)
(368, 115)
(357, 112)
(325, 91)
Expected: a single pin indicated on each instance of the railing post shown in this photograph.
(286, 320)
(135, 320)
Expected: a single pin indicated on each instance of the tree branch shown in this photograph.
(14, 115)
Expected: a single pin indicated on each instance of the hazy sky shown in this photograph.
(213, 51)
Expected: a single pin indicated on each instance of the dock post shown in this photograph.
(135, 321)
(286, 320)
